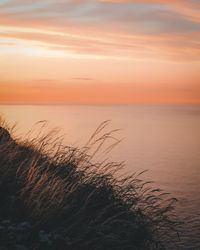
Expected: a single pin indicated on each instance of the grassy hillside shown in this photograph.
(54, 197)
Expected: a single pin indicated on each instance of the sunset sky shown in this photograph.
(66, 51)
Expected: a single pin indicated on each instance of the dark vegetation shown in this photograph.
(53, 197)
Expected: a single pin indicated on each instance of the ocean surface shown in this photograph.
(161, 138)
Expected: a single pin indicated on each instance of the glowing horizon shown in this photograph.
(99, 51)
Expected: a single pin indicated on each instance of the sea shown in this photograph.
(161, 138)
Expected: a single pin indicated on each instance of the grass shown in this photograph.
(54, 197)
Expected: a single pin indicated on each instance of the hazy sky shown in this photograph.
(99, 51)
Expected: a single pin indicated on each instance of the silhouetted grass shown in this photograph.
(53, 197)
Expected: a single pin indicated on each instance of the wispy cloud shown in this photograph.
(83, 79)
(138, 50)
(165, 2)
(164, 29)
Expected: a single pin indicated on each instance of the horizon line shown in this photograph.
(93, 103)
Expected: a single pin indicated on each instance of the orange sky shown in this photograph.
(99, 51)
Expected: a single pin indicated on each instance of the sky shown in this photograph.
(101, 51)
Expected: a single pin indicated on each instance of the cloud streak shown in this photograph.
(145, 48)
(168, 46)
(83, 79)
(107, 28)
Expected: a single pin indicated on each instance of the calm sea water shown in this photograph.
(163, 138)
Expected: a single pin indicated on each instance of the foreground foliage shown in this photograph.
(53, 197)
